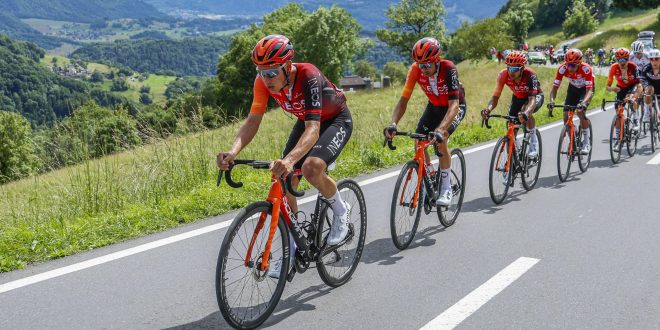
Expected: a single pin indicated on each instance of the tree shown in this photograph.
(551, 13)
(519, 19)
(397, 71)
(145, 89)
(474, 41)
(411, 20)
(96, 77)
(365, 69)
(119, 85)
(579, 20)
(145, 98)
(17, 152)
(635, 4)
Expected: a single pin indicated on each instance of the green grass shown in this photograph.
(160, 186)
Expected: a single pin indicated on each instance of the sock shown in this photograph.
(337, 204)
(446, 182)
(533, 138)
(634, 115)
(585, 133)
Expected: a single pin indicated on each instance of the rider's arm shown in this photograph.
(306, 141)
(251, 125)
(533, 87)
(453, 91)
(555, 85)
(501, 78)
(553, 94)
(610, 77)
(452, 111)
(399, 109)
(411, 80)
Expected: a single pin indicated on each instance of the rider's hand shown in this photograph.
(522, 117)
(224, 160)
(582, 106)
(440, 132)
(485, 113)
(281, 167)
(550, 106)
(390, 131)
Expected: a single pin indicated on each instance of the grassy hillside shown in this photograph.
(161, 186)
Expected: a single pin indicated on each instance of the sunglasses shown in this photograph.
(513, 69)
(424, 66)
(622, 60)
(270, 73)
(654, 59)
(571, 65)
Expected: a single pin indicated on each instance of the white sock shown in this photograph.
(446, 182)
(533, 138)
(337, 204)
(585, 133)
(634, 115)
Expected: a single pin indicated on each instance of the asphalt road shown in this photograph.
(591, 248)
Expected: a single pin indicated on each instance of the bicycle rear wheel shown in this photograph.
(564, 154)
(336, 264)
(615, 144)
(404, 218)
(531, 167)
(500, 176)
(585, 160)
(447, 215)
(247, 295)
(653, 128)
(631, 139)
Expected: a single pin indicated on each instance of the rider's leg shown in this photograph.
(648, 99)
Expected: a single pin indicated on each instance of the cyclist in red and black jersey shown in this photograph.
(628, 85)
(527, 96)
(323, 128)
(580, 77)
(438, 79)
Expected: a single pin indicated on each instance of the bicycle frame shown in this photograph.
(571, 130)
(512, 127)
(621, 117)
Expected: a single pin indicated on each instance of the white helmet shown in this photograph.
(654, 53)
(637, 47)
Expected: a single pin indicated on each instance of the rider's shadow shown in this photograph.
(383, 252)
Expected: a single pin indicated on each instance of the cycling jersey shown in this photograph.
(440, 88)
(640, 62)
(623, 79)
(527, 86)
(649, 78)
(583, 76)
(311, 98)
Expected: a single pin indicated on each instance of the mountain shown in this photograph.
(82, 11)
(369, 13)
(18, 30)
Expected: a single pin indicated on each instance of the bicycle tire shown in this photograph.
(615, 154)
(230, 313)
(500, 153)
(401, 236)
(653, 128)
(448, 215)
(631, 139)
(585, 160)
(534, 164)
(563, 147)
(351, 251)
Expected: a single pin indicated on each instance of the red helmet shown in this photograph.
(426, 50)
(622, 53)
(573, 56)
(272, 49)
(515, 59)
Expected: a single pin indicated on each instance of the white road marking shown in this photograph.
(197, 232)
(465, 307)
(655, 160)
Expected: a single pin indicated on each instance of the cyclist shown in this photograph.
(627, 81)
(527, 96)
(638, 57)
(650, 77)
(446, 108)
(580, 77)
(601, 57)
(322, 130)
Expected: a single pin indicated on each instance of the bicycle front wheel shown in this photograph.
(564, 154)
(447, 215)
(631, 139)
(246, 294)
(615, 144)
(585, 160)
(404, 213)
(501, 164)
(532, 167)
(336, 264)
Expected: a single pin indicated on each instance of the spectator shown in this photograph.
(499, 57)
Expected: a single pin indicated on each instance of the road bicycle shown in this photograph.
(510, 160)
(651, 127)
(570, 145)
(621, 130)
(260, 235)
(419, 181)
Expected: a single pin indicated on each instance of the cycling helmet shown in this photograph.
(272, 49)
(637, 47)
(654, 53)
(573, 56)
(515, 59)
(426, 50)
(622, 53)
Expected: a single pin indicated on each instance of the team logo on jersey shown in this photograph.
(586, 69)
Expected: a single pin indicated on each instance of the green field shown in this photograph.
(157, 83)
(160, 186)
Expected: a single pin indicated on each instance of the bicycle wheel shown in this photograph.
(585, 160)
(447, 215)
(652, 128)
(336, 266)
(615, 152)
(404, 218)
(532, 167)
(500, 176)
(631, 139)
(247, 295)
(564, 154)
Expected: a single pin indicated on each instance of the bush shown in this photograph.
(145, 98)
(579, 20)
(145, 89)
(397, 71)
(119, 85)
(18, 158)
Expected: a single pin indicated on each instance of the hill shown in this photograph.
(84, 11)
(187, 57)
